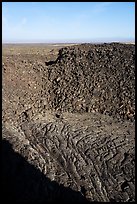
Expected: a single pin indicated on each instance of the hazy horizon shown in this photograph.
(68, 22)
(71, 41)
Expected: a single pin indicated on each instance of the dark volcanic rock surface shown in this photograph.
(70, 121)
(89, 78)
(88, 153)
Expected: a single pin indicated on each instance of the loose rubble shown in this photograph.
(68, 123)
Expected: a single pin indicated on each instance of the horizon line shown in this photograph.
(73, 42)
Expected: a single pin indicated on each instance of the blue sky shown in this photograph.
(67, 21)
